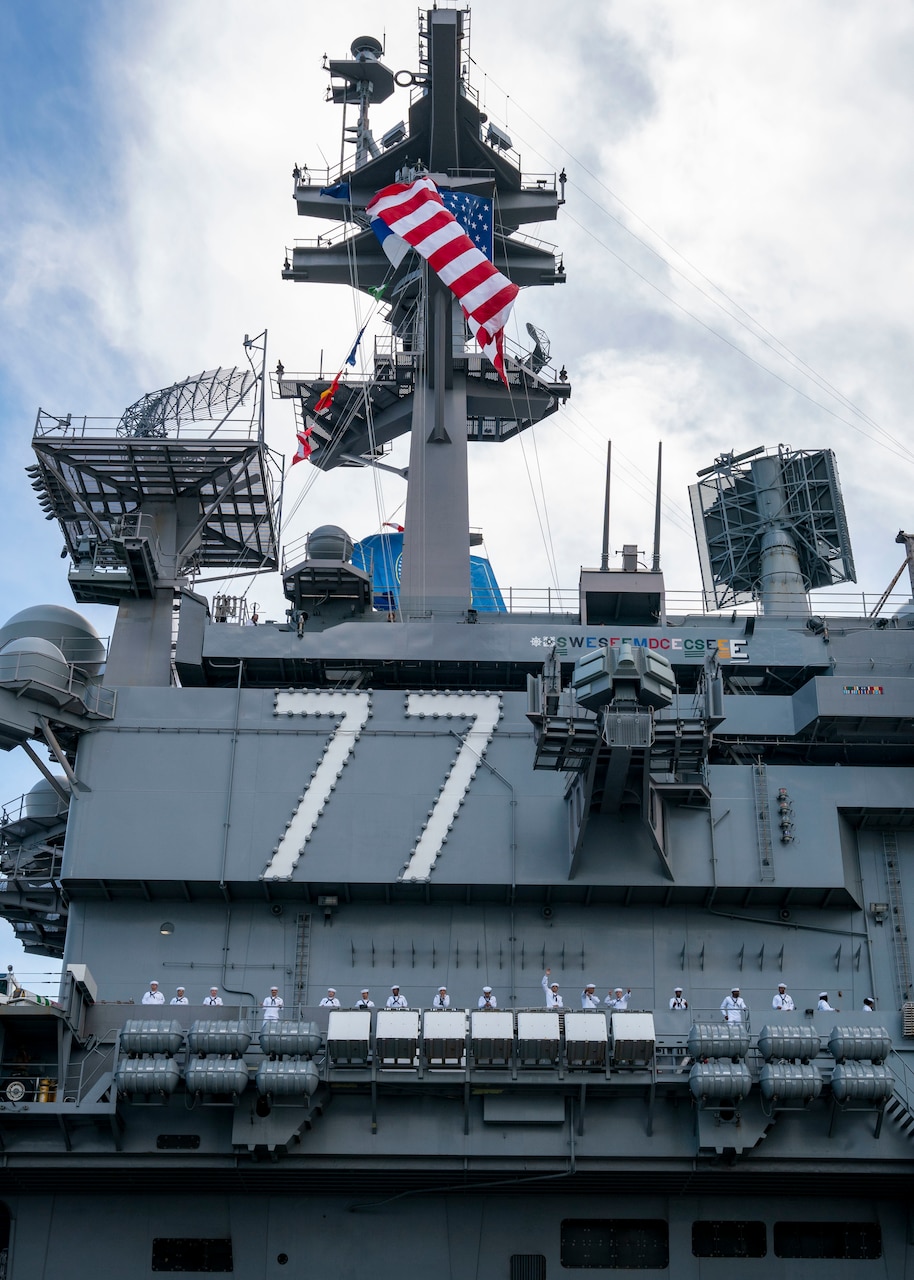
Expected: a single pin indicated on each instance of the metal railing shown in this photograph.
(903, 1072)
(99, 1061)
(80, 427)
(48, 807)
(44, 672)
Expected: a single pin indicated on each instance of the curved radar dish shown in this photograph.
(208, 397)
(771, 527)
(539, 356)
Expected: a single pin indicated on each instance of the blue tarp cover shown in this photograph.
(381, 555)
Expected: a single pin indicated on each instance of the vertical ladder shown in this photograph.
(763, 821)
(302, 958)
(896, 915)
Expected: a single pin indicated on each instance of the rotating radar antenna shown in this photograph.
(770, 528)
(208, 397)
(539, 356)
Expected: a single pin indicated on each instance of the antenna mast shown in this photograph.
(604, 558)
(655, 561)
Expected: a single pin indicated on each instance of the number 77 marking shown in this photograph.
(484, 709)
(352, 710)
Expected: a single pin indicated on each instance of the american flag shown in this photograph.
(413, 215)
(474, 213)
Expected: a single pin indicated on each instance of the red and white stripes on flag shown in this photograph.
(305, 449)
(412, 215)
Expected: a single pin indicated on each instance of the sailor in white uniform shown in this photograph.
(487, 1000)
(272, 1006)
(179, 997)
(395, 1000)
(330, 1000)
(869, 1005)
(782, 1000)
(153, 995)
(733, 1006)
(589, 997)
(678, 1000)
(618, 999)
(442, 1000)
(823, 1006)
(551, 990)
(363, 1001)
(213, 997)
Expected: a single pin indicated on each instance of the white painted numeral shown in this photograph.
(351, 710)
(484, 709)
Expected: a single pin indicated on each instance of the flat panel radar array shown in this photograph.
(770, 528)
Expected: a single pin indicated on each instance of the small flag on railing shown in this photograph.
(304, 450)
(325, 399)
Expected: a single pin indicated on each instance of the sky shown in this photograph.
(736, 238)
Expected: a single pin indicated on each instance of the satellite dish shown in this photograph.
(771, 527)
(539, 356)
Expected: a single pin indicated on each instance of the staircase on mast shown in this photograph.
(763, 821)
(302, 958)
(900, 952)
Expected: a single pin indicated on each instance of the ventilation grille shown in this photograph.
(528, 1266)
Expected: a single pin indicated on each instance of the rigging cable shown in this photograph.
(540, 503)
(756, 329)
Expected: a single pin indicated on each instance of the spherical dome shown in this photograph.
(43, 801)
(330, 542)
(39, 666)
(74, 636)
(36, 645)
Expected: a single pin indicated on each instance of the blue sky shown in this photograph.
(145, 206)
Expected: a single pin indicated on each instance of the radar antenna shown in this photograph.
(212, 396)
(771, 528)
(539, 356)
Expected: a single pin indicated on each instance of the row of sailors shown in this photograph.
(734, 1006)
(272, 1003)
(616, 1000)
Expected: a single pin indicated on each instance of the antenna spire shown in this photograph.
(655, 562)
(604, 558)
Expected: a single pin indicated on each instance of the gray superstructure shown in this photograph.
(424, 789)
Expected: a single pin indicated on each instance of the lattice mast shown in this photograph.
(434, 383)
(182, 481)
